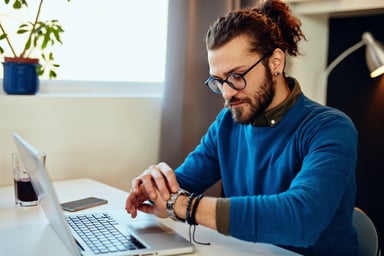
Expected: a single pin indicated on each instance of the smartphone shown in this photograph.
(82, 204)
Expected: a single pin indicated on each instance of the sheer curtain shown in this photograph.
(188, 105)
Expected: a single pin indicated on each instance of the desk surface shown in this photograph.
(26, 231)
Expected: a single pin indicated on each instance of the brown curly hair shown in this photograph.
(270, 25)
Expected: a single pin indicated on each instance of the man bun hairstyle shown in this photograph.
(269, 25)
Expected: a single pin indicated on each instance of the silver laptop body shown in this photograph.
(154, 236)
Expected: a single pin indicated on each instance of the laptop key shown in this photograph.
(100, 234)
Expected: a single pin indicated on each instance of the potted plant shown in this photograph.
(22, 70)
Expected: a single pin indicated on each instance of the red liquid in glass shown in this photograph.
(24, 191)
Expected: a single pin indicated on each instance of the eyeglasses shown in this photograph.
(234, 80)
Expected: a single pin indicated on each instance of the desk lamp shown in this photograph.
(374, 55)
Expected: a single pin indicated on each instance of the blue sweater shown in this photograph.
(292, 185)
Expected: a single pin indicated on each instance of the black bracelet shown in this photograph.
(194, 209)
(188, 212)
(191, 217)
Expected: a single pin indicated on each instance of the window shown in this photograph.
(117, 40)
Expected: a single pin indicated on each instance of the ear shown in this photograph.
(277, 62)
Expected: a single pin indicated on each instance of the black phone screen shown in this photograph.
(84, 203)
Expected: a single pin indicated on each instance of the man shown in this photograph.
(287, 164)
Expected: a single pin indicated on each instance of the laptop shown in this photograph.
(140, 236)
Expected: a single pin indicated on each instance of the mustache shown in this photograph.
(228, 103)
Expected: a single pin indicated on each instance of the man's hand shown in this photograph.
(154, 184)
(138, 200)
(157, 177)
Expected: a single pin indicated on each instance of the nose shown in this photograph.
(227, 91)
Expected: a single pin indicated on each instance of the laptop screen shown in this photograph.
(32, 161)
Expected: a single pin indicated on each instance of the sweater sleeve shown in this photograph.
(200, 169)
(222, 215)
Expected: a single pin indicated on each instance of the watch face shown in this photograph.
(170, 203)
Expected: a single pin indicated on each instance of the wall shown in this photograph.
(109, 139)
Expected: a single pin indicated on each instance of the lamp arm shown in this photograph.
(321, 90)
(342, 56)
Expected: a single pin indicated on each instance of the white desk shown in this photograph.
(25, 230)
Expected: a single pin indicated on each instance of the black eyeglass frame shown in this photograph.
(221, 82)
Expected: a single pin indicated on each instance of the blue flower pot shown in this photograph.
(20, 75)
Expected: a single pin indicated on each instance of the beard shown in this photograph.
(257, 103)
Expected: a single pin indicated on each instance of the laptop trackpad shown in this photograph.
(147, 227)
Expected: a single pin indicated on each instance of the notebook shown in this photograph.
(140, 236)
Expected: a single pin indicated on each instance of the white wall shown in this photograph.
(309, 68)
(108, 139)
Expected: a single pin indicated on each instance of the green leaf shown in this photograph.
(35, 41)
(17, 5)
(40, 71)
(57, 36)
(28, 44)
(22, 31)
(23, 26)
(52, 74)
(45, 41)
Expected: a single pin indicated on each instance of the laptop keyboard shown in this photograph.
(98, 231)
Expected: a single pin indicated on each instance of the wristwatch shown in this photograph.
(171, 204)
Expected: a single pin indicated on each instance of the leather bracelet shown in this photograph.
(194, 209)
(188, 211)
